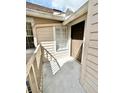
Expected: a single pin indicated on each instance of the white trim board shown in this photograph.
(44, 25)
(78, 20)
(35, 13)
(81, 11)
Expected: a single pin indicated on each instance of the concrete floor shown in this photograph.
(66, 80)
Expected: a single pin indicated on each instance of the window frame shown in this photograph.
(29, 36)
(67, 35)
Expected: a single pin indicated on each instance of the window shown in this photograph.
(61, 38)
(29, 36)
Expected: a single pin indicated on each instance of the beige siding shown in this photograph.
(89, 88)
(49, 45)
(36, 21)
(89, 70)
(61, 54)
(44, 34)
(43, 20)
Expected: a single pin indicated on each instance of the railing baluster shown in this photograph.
(32, 82)
(34, 68)
(50, 58)
(28, 85)
(47, 53)
(35, 73)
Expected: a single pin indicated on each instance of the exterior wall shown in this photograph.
(36, 21)
(44, 32)
(45, 36)
(44, 21)
(89, 65)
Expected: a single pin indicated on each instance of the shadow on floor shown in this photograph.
(66, 80)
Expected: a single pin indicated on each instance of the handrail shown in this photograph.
(31, 60)
(33, 72)
(34, 76)
(48, 53)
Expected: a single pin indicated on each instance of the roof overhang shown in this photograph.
(40, 14)
(82, 10)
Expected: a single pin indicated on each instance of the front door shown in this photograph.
(77, 32)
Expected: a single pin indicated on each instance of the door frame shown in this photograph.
(82, 39)
(78, 20)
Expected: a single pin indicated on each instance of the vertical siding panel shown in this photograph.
(94, 36)
(91, 83)
(89, 88)
(92, 72)
(92, 78)
(89, 75)
(92, 59)
(92, 65)
(93, 51)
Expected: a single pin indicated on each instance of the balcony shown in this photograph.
(47, 74)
